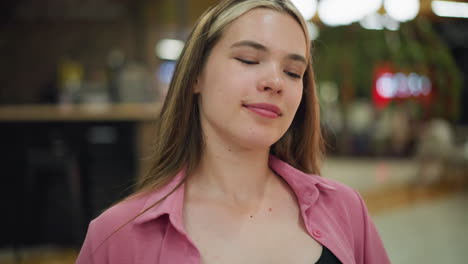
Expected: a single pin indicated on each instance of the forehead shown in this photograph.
(277, 31)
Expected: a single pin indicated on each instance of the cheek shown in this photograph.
(221, 98)
(294, 99)
(228, 89)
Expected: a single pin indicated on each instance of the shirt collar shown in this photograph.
(307, 188)
(172, 205)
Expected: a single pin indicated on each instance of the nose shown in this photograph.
(272, 81)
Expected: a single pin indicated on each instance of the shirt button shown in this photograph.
(316, 233)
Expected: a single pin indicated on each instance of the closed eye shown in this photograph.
(247, 61)
(293, 75)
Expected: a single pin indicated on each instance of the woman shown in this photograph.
(237, 156)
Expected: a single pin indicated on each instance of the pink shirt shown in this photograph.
(334, 215)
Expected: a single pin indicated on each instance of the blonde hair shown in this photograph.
(179, 139)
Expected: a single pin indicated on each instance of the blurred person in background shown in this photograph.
(236, 159)
(434, 150)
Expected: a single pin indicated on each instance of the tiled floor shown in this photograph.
(431, 232)
(418, 225)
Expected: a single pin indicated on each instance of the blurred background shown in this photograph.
(81, 83)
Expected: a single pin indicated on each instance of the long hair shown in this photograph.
(179, 138)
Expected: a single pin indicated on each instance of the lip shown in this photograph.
(264, 109)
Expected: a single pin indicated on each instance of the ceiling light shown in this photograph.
(169, 49)
(313, 30)
(450, 9)
(345, 12)
(372, 21)
(402, 10)
(306, 7)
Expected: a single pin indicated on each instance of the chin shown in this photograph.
(259, 141)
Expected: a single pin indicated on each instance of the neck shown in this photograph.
(234, 175)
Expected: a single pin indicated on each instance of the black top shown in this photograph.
(327, 257)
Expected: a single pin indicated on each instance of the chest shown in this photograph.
(273, 234)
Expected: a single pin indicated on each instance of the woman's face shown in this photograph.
(251, 85)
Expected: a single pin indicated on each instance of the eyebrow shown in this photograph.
(258, 46)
